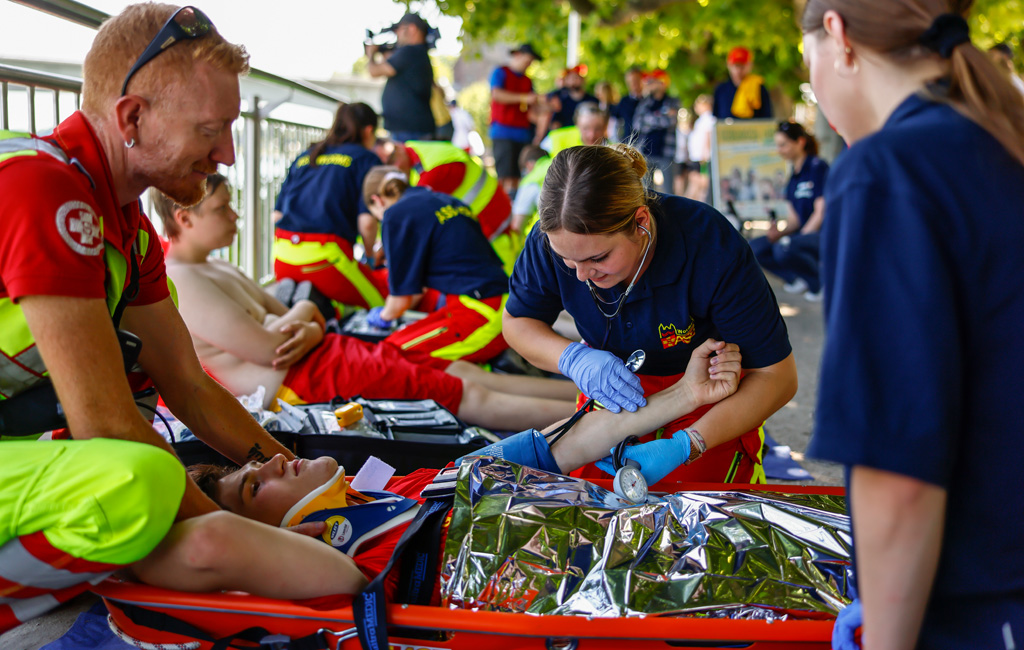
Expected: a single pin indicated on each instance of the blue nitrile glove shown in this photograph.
(603, 376)
(850, 618)
(528, 448)
(657, 458)
(373, 319)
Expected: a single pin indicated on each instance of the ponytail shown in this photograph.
(985, 95)
(349, 122)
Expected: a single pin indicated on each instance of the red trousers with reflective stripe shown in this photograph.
(736, 461)
(36, 577)
(328, 277)
(447, 333)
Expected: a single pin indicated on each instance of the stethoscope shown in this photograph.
(628, 482)
(621, 300)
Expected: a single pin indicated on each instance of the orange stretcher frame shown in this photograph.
(224, 614)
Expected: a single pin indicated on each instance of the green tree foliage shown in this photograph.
(688, 38)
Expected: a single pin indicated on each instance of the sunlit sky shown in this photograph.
(310, 39)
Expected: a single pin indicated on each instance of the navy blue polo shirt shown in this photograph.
(725, 93)
(921, 370)
(703, 282)
(805, 186)
(432, 240)
(326, 198)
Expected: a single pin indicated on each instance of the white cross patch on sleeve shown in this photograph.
(79, 228)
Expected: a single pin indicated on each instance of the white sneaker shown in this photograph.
(812, 296)
(796, 286)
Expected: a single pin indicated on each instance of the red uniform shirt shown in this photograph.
(51, 220)
(494, 219)
(514, 115)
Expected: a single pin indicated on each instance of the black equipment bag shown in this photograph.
(414, 434)
(408, 435)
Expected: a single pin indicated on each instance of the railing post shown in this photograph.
(253, 235)
(31, 109)
(5, 107)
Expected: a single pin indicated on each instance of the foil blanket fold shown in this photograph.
(528, 541)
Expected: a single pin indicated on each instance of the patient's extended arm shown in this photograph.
(712, 375)
(709, 378)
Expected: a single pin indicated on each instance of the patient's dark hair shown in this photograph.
(166, 207)
(206, 477)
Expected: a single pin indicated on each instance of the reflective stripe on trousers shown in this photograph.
(315, 256)
(481, 336)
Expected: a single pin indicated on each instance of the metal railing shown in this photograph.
(36, 101)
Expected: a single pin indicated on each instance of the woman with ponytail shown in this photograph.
(659, 273)
(432, 242)
(320, 213)
(921, 266)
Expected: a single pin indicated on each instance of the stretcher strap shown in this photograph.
(369, 607)
(252, 637)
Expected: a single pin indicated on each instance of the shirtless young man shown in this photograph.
(247, 338)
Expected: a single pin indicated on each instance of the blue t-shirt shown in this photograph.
(504, 131)
(567, 114)
(725, 93)
(703, 282)
(806, 186)
(433, 241)
(326, 198)
(921, 369)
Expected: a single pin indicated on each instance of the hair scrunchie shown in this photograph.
(947, 32)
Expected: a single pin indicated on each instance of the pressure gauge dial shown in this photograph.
(629, 483)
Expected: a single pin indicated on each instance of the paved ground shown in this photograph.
(791, 426)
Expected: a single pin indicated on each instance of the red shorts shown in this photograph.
(736, 461)
(327, 261)
(464, 329)
(347, 367)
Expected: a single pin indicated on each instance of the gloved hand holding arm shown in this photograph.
(603, 376)
(657, 458)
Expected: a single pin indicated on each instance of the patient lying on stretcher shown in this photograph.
(246, 338)
(268, 492)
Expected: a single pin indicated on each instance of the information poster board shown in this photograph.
(749, 176)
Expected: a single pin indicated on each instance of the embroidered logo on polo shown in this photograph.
(80, 228)
(672, 336)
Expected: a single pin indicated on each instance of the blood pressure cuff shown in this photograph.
(529, 448)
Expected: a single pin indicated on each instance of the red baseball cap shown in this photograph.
(657, 74)
(739, 56)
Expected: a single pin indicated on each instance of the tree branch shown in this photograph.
(625, 12)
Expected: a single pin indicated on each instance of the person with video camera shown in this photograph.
(410, 79)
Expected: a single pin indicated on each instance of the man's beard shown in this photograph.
(184, 194)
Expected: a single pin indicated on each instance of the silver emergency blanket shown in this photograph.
(524, 540)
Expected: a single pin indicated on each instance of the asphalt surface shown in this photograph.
(791, 426)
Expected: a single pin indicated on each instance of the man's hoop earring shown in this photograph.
(129, 144)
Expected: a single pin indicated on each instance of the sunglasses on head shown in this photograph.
(792, 130)
(185, 24)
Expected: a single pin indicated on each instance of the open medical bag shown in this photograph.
(149, 615)
(406, 434)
